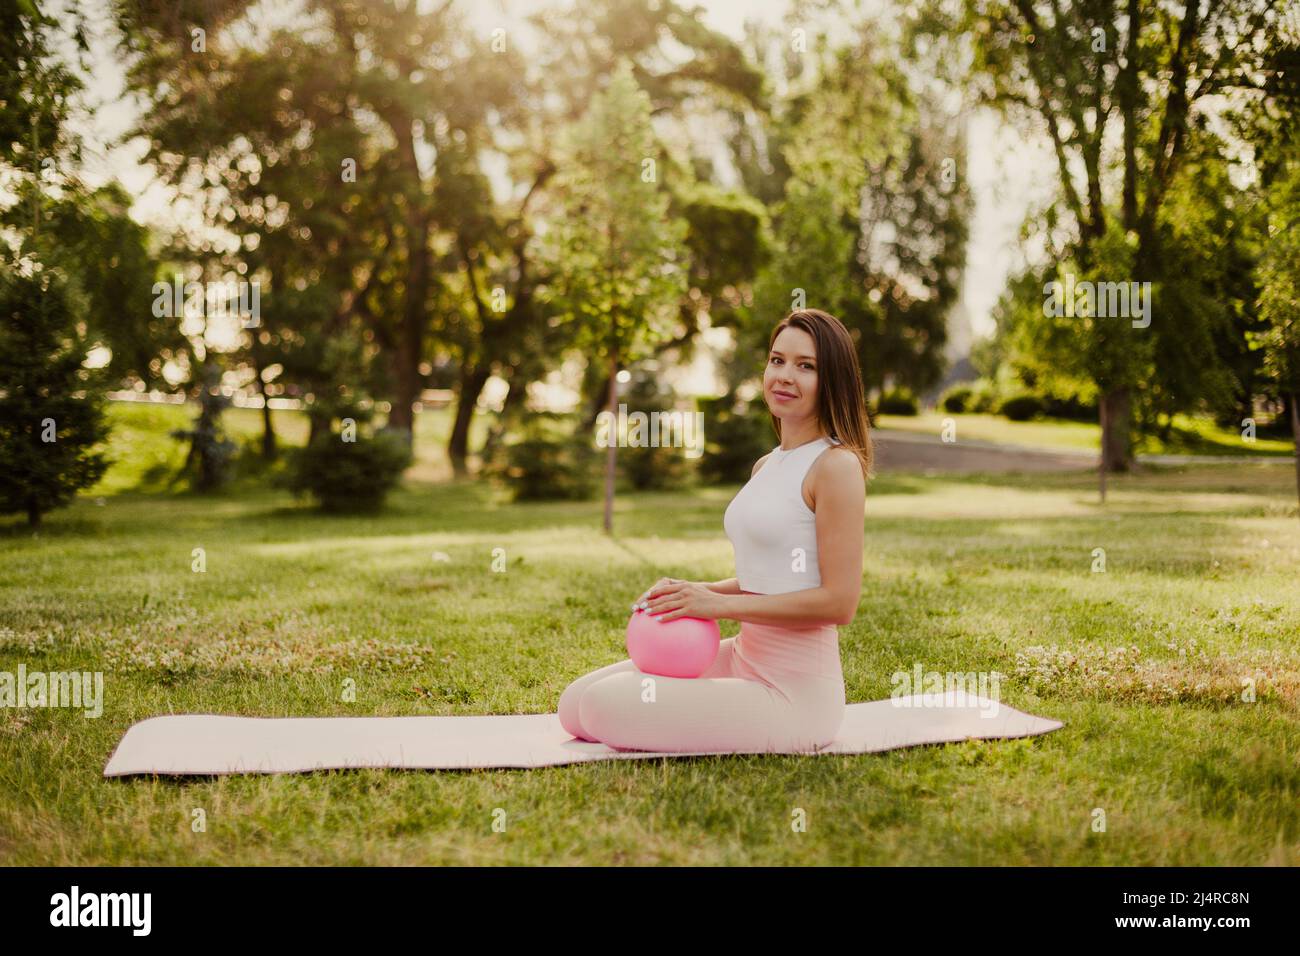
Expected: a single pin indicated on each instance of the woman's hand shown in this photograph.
(667, 602)
(662, 582)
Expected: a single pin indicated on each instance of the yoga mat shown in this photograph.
(213, 744)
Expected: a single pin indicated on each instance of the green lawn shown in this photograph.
(1188, 436)
(1144, 663)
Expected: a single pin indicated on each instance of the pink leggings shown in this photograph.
(770, 690)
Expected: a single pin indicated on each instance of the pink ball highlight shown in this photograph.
(685, 647)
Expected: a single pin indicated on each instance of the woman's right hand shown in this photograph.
(645, 596)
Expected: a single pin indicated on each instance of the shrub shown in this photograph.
(650, 468)
(347, 475)
(550, 460)
(985, 397)
(1070, 407)
(1279, 427)
(1021, 408)
(736, 436)
(897, 402)
(956, 399)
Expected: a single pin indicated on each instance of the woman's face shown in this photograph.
(790, 380)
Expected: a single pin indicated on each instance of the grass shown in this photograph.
(1143, 662)
(1187, 435)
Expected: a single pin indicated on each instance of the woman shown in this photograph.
(797, 529)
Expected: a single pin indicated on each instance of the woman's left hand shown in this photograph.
(686, 599)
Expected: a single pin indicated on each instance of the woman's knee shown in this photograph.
(571, 697)
(822, 726)
(568, 710)
(591, 709)
(602, 704)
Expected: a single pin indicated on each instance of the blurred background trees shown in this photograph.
(410, 187)
(1148, 76)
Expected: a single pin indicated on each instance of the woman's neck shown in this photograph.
(801, 432)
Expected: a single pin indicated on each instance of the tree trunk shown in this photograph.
(410, 337)
(33, 513)
(1101, 464)
(1128, 95)
(598, 404)
(268, 429)
(472, 380)
(318, 425)
(1295, 436)
(1116, 429)
(205, 438)
(515, 391)
(407, 372)
(411, 328)
(612, 452)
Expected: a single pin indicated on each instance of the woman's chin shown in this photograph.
(782, 412)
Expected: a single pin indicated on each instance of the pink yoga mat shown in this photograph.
(213, 744)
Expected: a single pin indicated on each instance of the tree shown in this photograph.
(85, 234)
(684, 67)
(312, 147)
(413, 252)
(615, 253)
(51, 415)
(1140, 74)
(90, 236)
(1279, 298)
(727, 243)
(37, 87)
(874, 220)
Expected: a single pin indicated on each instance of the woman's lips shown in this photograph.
(783, 396)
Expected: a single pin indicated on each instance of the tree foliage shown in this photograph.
(51, 407)
(1122, 90)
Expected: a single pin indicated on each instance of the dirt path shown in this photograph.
(905, 451)
(912, 451)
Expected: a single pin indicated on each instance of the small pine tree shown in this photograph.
(51, 412)
(347, 471)
(616, 252)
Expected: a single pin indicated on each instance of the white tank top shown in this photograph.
(771, 527)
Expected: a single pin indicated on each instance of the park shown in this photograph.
(515, 296)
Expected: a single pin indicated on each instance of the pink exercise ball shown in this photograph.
(685, 647)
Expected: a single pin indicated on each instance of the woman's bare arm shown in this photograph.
(729, 586)
(839, 502)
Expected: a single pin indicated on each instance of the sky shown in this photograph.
(1006, 172)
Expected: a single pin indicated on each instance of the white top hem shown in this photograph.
(757, 584)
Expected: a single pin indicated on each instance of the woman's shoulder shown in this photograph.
(838, 465)
(759, 464)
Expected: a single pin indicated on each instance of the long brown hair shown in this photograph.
(841, 398)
